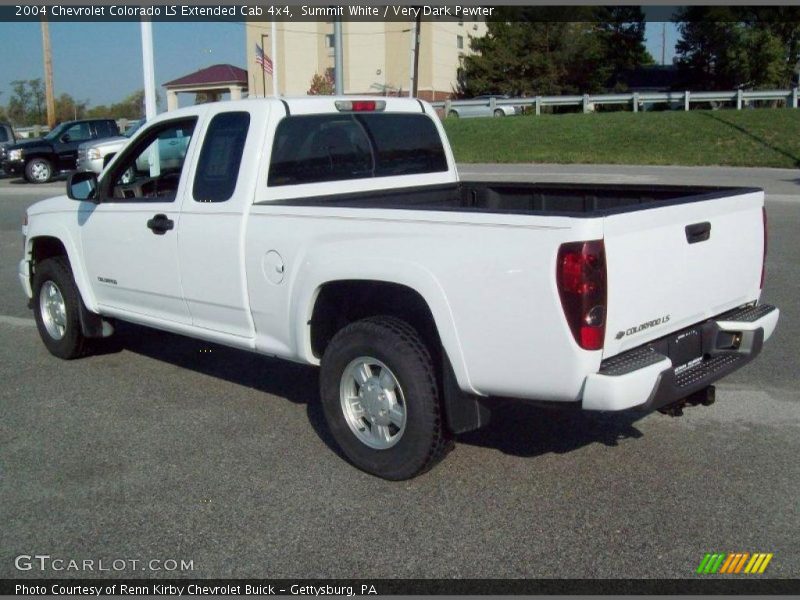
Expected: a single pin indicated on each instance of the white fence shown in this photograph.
(635, 100)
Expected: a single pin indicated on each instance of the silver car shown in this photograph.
(94, 156)
(484, 108)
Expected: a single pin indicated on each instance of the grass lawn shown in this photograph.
(745, 138)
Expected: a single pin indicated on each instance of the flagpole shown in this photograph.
(263, 59)
(274, 60)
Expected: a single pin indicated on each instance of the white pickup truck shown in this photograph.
(335, 232)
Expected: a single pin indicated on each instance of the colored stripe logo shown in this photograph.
(733, 563)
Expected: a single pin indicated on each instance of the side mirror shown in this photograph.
(65, 138)
(82, 185)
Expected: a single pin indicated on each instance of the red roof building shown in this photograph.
(210, 82)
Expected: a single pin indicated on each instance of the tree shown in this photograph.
(67, 108)
(322, 85)
(730, 48)
(36, 89)
(533, 50)
(131, 108)
(784, 23)
(623, 32)
(20, 103)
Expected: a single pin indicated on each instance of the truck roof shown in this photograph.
(303, 105)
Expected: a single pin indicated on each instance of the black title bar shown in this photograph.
(366, 587)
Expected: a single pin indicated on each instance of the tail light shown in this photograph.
(764, 256)
(581, 280)
(360, 105)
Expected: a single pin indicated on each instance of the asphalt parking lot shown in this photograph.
(164, 447)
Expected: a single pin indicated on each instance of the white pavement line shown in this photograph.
(16, 321)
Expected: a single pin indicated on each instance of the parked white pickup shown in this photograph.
(335, 232)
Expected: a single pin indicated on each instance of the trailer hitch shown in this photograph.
(706, 397)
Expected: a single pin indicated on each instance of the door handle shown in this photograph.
(698, 232)
(160, 224)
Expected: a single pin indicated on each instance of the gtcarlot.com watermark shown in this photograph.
(58, 564)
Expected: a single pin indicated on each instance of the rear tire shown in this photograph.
(453, 114)
(499, 112)
(38, 170)
(56, 305)
(381, 399)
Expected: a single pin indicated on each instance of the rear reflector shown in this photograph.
(581, 281)
(764, 256)
(360, 105)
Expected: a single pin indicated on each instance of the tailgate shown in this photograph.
(672, 266)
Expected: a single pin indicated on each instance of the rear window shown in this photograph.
(314, 148)
(106, 129)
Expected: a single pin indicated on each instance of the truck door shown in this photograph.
(130, 238)
(66, 146)
(217, 199)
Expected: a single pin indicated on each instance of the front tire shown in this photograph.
(56, 303)
(381, 399)
(498, 112)
(38, 170)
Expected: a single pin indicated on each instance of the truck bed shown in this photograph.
(576, 200)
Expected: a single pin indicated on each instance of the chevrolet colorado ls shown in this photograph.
(335, 232)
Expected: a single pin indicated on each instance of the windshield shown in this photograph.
(57, 131)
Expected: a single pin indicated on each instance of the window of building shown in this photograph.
(221, 157)
(329, 40)
(460, 42)
(316, 148)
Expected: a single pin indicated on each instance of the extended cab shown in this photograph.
(40, 159)
(335, 232)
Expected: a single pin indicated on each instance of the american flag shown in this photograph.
(263, 60)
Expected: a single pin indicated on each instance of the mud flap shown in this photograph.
(465, 412)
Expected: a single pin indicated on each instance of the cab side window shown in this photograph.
(151, 169)
(221, 157)
(79, 132)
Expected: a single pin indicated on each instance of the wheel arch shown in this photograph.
(43, 243)
(419, 294)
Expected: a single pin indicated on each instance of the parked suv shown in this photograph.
(38, 160)
(7, 138)
(94, 155)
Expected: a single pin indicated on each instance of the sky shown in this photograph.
(102, 62)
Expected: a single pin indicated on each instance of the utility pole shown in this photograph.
(48, 75)
(663, 43)
(417, 34)
(338, 74)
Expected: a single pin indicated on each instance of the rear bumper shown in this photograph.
(646, 379)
